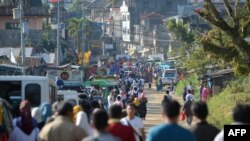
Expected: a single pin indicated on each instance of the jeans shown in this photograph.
(189, 120)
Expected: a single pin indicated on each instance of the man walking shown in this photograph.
(202, 130)
(135, 122)
(62, 127)
(125, 133)
(170, 130)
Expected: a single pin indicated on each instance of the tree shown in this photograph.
(74, 28)
(227, 39)
(192, 55)
(77, 28)
(78, 5)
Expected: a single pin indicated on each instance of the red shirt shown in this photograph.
(125, 133)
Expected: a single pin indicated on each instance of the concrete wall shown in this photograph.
(11, 38)
(34, 22)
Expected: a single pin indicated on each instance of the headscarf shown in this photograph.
(46, 111)
(36, 113)
(76, 109)
(136, 102)
(26, 124)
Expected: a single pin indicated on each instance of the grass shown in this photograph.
(221, 105)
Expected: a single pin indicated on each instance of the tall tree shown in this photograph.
(74, 29)
(228, 37)
(78, 28)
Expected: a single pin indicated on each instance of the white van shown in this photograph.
(68, 95)
(36, 89)
(168, 76)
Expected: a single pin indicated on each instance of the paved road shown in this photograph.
(154, 114)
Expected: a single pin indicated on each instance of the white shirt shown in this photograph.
(142, 81)
(18, 135)
(136, 123)
(190, 96)
(82, 121)
(110, 100)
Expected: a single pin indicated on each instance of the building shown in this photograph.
(34, 15)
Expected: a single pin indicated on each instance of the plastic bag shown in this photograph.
(183, 116)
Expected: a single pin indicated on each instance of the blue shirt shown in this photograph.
(170, 132)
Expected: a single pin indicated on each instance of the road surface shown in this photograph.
(154, 110)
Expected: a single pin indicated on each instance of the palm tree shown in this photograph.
(76, 28)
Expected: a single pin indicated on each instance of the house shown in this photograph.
(34, 14)
(218, 80)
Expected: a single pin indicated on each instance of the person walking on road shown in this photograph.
(125, 133)
(202, 130)
(135, 122)
(170, 131)
(24, 127)
(100, 124)
(187, 109)
(62, 127)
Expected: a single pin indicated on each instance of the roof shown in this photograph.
(10, 66)
(49, 58)
(221, 72)
(101, 82)
(16, 51)
(150, 15)
(114, 4)
(97, 4)
(33, 61)
(23, 77)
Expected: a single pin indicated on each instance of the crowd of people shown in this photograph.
(64, 122)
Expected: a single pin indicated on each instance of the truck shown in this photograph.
(35, 89)
(156, 57)
(169, 76)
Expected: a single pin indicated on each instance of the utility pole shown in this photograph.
(58, 34)
(22, 35)
(103, 34)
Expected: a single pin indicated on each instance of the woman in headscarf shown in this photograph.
(142, 109)
(25, 126)
(46, 110)
(36, 113)
(80, 119)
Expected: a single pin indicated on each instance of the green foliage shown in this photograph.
(47, 43)
(227, 38)
(220, 106)
(181, 31)
(77, 5)
(76, 28)
(192, 55)
(193, 78)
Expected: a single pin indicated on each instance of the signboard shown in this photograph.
(96, 43)
(66, 75)
(109, 46)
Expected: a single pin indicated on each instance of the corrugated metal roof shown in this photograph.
(97, 4)
(16, 51)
